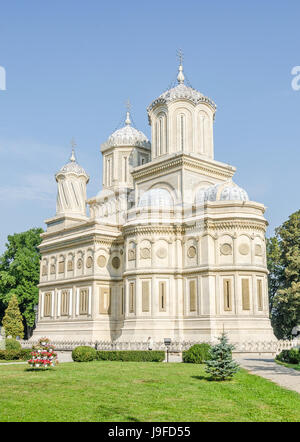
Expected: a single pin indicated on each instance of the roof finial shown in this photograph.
(128, 107)
(180, 76)
(73, 144)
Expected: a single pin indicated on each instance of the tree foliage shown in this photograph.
(221, 366)
(283, 256)
(12, 320)
(19, 273)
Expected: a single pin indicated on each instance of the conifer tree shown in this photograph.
(221, 366)
(12, 320)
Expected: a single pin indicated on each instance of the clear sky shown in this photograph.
(71, 65)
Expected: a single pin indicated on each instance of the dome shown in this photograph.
(157, 197)
(72, 167)
(181, 91)
(228, 191)
(127, 136)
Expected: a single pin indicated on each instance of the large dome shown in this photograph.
(228, 191)
(127, 136)
(181, 91)
(158, 197)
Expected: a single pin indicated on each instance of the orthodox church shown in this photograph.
(171, 247)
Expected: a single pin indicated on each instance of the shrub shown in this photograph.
(83, 353)
(131, 356)
(291, 356)
(197, 354)
(12, 344)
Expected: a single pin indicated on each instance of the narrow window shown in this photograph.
(245, 294)
(162, 296)
(131, 298)
(104, 300)
(125, 168)
(182, 131)
(83, 301)
(47, 304)
(227, 295)
(122, 301)
(65, 302)
(145, 296)
(259, 295)
(193, 298)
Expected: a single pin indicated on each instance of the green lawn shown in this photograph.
(134, 392)
(294, 366)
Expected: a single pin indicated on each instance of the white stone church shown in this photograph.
(171, 247)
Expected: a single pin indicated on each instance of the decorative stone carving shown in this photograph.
(89, 262)
(258, 250)
(70, 265)
(61, 267)
(101, 261)
(44, 270)
(116, 262)
(52, 269)
(131, 254)
(79, 263)
(145, 253)
(244, 249)
(161, 253)
(191, 253)
(226, 249)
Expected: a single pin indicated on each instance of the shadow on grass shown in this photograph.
(39, 369)
(210, 379)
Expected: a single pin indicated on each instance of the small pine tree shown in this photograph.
(221, 365)
(12, 320)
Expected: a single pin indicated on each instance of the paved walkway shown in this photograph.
(267, 368)
(11, 363)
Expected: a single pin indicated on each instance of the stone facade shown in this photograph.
(171, 247)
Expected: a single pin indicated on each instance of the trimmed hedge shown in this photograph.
(197, 354)
(291, 356)
(83, 353)
(131, 355)
(15, 355)
(12, 344)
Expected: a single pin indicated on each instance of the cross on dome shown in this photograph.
(180, 76)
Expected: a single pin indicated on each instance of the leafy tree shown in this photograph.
(12, 320)
(19, 274)
(221, 366)
(283, 251)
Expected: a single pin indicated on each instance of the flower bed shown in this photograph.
(43, 355)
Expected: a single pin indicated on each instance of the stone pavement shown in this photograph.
(267, 368)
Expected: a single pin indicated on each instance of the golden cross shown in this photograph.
(73, 144)
(128, 105)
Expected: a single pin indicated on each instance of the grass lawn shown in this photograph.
(294, 366)
(135, 391)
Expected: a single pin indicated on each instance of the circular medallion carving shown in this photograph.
(145, 253)
(226, 249)
(116, 262)
(258, 250)
(101, 261)
(192, 252)
(161, 253)
(89, 262)
(244, 249)
(79, 263)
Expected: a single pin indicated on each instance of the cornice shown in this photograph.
(216, 169)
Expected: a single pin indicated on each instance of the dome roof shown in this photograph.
(181, 91)
(228, 191)
(158, 197)
(72, 167)
(127, 136)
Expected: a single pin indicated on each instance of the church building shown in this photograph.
(171, 247)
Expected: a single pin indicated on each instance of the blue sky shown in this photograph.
(71, 66)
